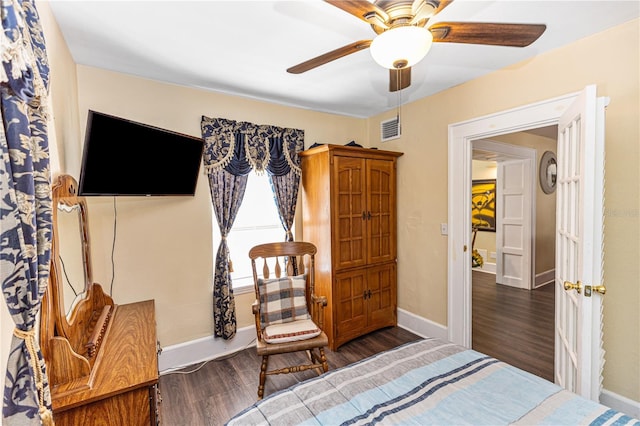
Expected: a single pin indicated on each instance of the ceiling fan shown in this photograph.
(392, 20)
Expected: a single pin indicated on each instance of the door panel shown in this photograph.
(382, 300)
(351, 309)
(381, 205)
(513, 224)
(349, 176)
(579, 235)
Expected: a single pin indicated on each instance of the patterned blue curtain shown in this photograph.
(285, 177)
(25, 207)
(227, 191)
(232, 150)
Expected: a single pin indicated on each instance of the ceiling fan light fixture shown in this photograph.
(401, 47)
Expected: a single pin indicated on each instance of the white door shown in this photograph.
(579, 236)
(513, 224)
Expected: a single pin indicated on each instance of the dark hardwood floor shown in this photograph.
(221, 388)
(514, 325)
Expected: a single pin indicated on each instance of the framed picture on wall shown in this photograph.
(483, 204)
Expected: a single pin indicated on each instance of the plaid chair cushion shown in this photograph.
(291, 331)
(282, 300)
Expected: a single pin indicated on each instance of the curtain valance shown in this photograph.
(239, 147)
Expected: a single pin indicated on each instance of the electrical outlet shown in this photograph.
(444, 229)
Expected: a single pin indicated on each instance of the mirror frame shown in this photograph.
(64, 191)
(71, 342)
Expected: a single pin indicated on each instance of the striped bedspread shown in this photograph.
(428, 382)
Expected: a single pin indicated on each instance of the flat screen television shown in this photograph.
(122, 157)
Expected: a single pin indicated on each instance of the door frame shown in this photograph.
(461, 135)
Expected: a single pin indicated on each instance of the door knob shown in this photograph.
(571, 286)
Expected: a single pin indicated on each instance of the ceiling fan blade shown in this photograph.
(362, 9)
(399, 79)
(330, 56)
(514, 35)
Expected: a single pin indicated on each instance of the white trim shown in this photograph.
(204, 349)
(421, 326)
(620, 403)
(207, 348)
(546, 277)
(487, 268)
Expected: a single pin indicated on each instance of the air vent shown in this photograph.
(389, 129)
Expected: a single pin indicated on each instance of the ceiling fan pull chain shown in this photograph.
(399, 95)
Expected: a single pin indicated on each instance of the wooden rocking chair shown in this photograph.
(288, 314)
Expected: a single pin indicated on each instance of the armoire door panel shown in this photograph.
(350, 211)
(381, 281)
(381, 205)
(352, 311)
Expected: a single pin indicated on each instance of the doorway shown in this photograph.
(512, 301)
(510, 161)
(579, 257)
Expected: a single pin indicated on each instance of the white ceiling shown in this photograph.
(244, 47)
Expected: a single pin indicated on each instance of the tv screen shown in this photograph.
(122, 157)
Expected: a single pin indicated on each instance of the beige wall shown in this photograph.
(608, 59)
(164, 249)
(165, 245)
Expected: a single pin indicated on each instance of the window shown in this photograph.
(257, 222)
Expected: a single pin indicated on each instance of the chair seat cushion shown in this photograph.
(291, 331)
(282, 300)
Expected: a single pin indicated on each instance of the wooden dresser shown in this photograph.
(101, 358)
(349, 213)
(123, 387)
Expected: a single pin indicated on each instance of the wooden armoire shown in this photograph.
(349, 213)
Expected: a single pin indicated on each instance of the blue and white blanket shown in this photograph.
(428, 382)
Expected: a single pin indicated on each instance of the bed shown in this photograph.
(429, 381)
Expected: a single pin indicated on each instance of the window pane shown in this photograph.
(257, 222)
(258, 206)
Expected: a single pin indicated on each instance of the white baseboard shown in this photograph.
(204, 349)
(620, 403)
(489, 268)
(207, 348)
(421, 326)
(545, 277)
(541, 279)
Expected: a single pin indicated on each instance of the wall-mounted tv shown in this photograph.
(123, 157)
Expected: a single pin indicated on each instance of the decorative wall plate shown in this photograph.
(548, 172)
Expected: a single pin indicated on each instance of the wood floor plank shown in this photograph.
(514, 325)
